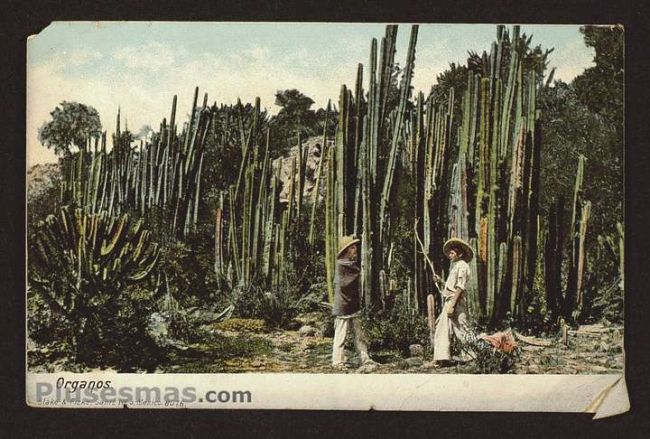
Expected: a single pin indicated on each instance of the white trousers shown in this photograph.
(343, 325)
(448, 328)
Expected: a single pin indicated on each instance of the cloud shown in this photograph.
(143, 79)
(571, 60)
(150, 57)
(82, 57)
(431, 60)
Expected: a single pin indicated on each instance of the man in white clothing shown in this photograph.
(452, 321)
(347, 303)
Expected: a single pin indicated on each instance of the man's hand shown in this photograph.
(450, 310)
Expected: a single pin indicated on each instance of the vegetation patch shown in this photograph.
(242, 325)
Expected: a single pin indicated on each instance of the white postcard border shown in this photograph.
(603, 395)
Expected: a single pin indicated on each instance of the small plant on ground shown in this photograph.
(276, 308)
(396, 328)
(487, 359)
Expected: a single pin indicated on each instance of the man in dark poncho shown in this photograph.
(347, 303)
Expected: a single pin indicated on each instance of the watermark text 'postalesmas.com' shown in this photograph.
(80, 392)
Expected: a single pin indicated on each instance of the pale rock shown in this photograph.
(307, 331)
(414, 362)
(416, 350)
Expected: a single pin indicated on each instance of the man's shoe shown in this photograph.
(368, 366)
(435, 364)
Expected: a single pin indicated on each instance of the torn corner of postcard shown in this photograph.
(613, 400)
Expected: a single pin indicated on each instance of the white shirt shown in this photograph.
(458, 277)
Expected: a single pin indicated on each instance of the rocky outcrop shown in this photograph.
(42, 178)
(314, 148)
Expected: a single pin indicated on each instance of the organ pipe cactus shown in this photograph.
(494, 192)
(218, 242)
(260, 230)
(553, 251)
(428, 162)
(161, 176)
(621, 253)
(577, 232)
(359, 187)
(162, 180)
(405, 88)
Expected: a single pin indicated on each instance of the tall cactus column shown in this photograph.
(331, 216)
(577, 232)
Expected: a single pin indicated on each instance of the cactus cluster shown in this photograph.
(488, 195)
(428, 157)
(162, 180)
(162, 176)
(261, 226)
(76, 257)
(363, 163)
(494, 186)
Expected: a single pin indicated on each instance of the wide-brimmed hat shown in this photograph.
(346, 242)
(468, 253)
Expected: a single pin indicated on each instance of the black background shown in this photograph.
(17, 420)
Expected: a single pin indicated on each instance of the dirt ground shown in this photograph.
(591, 349)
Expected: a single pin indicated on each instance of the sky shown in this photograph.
(139, 66)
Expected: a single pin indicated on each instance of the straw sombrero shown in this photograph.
(346, 242)
(468, 253)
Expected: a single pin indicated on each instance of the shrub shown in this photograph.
(609, 303)
(189, 269)
(397, 328)
(604, 289)
(277, 308)
(43, 325)
(120, 337)
(485, 358)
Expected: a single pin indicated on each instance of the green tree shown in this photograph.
(601, 87)
(71, 125)
(294, 105)
(571, 129)
(586, 117)
(295, 117)
(323, 117)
